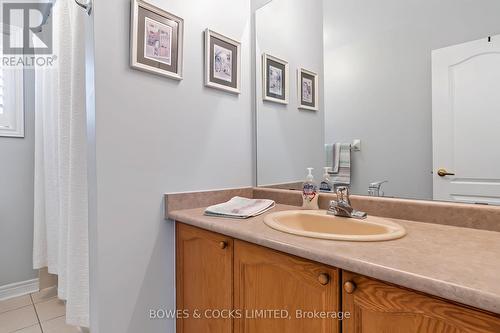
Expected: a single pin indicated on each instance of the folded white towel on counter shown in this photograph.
(341, 170)
(241, 208)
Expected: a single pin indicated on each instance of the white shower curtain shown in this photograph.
(61, 202)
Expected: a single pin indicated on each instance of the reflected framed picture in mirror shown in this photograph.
(222, 62)
(274, 79)
(156, 40)
(307, 89)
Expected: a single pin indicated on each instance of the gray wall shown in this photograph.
(16, 196)
(288, 139)
(157, 135)
(378, 81)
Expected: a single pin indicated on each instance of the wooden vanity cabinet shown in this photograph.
(204, 278)
(377, 307)
(215, 272)
(267, 279)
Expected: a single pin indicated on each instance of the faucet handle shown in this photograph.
(374, 188)
(378, 184)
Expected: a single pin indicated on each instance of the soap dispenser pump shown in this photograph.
(310, 192)
(326, 184)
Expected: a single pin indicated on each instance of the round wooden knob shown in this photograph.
(349, 287)
(324, 278)
(223, 244)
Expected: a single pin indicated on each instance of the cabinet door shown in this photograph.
(204, 267)
(265, 279)
(377, 307)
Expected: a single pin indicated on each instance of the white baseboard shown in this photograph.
(18, 289)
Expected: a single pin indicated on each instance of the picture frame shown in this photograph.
(222, 62)
(307, 90)
(156, 40)
(275, 82)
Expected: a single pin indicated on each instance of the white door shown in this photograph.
(466, 122)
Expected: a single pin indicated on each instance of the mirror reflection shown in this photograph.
(391, 98)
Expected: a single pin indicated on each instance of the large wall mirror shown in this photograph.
(406, 97)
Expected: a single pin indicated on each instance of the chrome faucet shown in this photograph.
(342, 206)
(374, 189)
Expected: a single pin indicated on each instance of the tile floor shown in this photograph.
(39, 312)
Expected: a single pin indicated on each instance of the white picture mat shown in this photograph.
(161, 27)
(223, 63)
(275, 80)
(307, 90)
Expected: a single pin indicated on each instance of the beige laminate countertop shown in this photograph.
(458, 264)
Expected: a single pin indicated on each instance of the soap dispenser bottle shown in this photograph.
(310, 192)
(326, 184)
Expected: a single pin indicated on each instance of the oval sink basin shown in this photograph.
(317, 224)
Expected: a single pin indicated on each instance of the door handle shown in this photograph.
(442, 172)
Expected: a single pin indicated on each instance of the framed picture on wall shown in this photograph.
(274, 79)
(156, 40)
(307, 89)
(222, 62)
